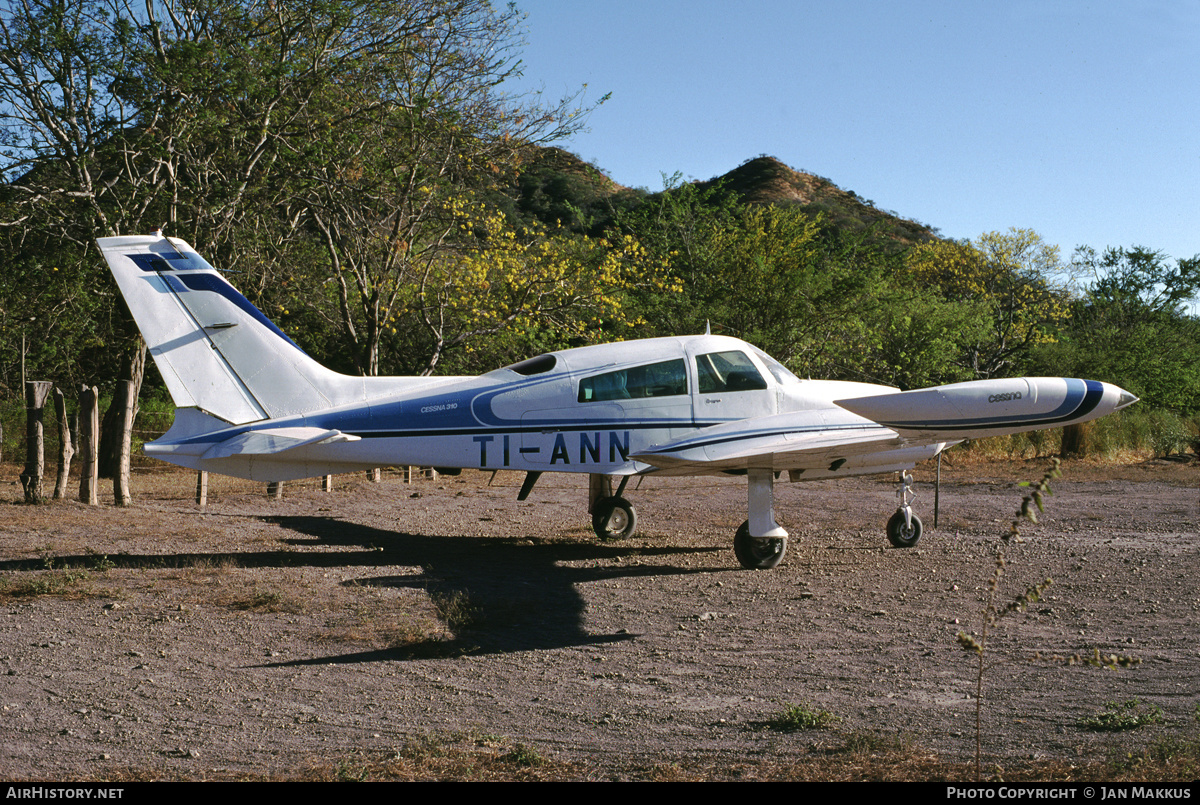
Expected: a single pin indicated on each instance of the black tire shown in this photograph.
(614, 518)
(757, 553)
(900, 535)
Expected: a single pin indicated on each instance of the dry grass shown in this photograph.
(858, 758)
(71, 585)
(396, 624)
(265, 600)
(456, 610)
(219, 581)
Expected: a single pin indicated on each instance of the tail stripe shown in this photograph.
(156, 261)
(211, 282)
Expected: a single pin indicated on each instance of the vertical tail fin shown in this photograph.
(215, 350)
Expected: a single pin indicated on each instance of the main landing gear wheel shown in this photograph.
(900, 534)
(757, 553)
(614, 518)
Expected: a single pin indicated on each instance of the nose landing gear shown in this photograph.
(904, 527)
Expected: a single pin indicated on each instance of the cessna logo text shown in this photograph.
(1016, 395)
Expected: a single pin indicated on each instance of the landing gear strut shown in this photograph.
(761, 542)
(904, 527)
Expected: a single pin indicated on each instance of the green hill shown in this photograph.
(557, 187)
(766, 180)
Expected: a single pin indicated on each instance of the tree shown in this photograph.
(560, 190)
(258, 129)
(1132, 327)
(76, 160)
(679, 228)
(421, 133)
(772, 285)
(532, 285)
(51, 315)
(1011, 274)
(61, 59)
(1139, 281)
(806, 291)
(918, 337)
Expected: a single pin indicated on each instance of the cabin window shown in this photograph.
(664, 379)
(727, 371)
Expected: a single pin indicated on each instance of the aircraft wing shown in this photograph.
(888, 431)
(792, 441)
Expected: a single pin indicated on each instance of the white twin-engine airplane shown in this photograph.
(252, 404)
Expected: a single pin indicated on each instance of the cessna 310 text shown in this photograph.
(252, 404)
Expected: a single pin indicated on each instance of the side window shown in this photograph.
(664, 379)
(727, 371)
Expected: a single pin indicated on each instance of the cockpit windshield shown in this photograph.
(781, 373)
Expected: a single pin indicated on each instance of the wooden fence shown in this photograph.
(85, 425)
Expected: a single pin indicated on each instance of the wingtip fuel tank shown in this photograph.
(981, 408)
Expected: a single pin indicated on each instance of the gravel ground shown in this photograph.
(264, 636)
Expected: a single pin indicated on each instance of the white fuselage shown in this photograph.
(590, 410)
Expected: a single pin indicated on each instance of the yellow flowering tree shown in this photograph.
(524, 282)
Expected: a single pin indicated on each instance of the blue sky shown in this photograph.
(1078, 120)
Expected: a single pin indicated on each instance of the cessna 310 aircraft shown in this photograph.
(252, 404)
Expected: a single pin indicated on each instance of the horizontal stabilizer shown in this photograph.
(275, 440)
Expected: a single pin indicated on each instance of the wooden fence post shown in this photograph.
(275, 490)
(127, 399)
(36, 392)
(1075, 440)
(327, 483)
(66, 450)
(202, 489)
(89, 444)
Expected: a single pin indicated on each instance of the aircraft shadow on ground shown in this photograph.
(518, 595)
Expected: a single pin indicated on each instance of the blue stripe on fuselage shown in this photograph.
(458, 409)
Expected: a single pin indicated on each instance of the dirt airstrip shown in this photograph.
(264, 635)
